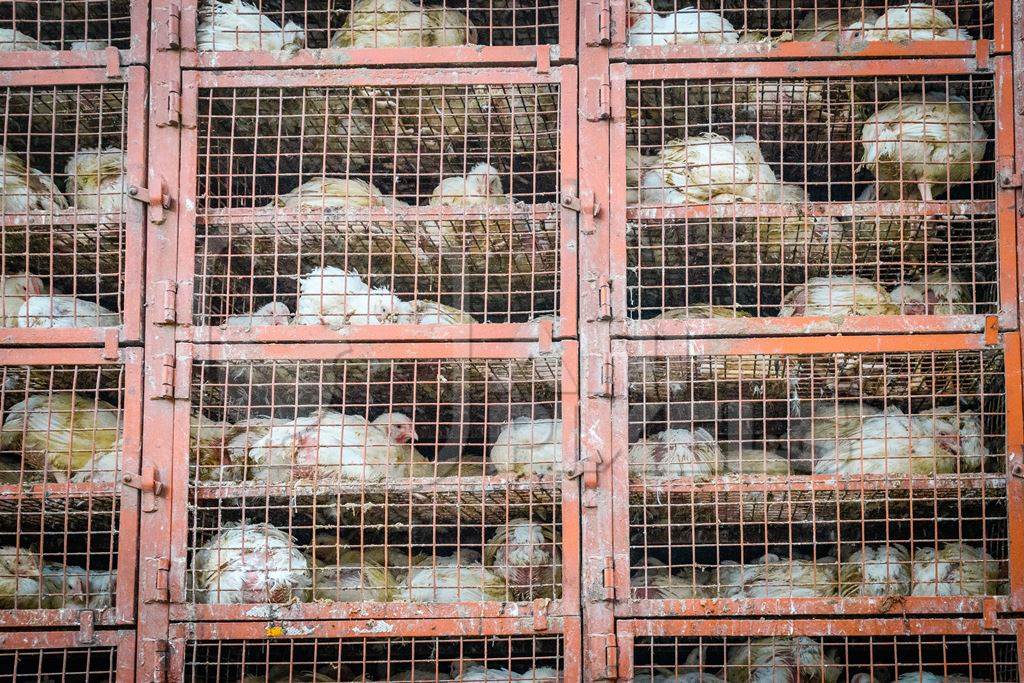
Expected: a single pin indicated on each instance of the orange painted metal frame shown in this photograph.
(135, 78)
(1005, 205)
(564, 76)
(628, 630)
(122, 640)
(617, 473)
(177, 453)
(128, 518)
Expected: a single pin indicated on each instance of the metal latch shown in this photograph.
(167, 313)
(598, 97)
(598, 23)
(148, 483)
(585, 468)
(161, 580)
(540, 614)
(113, 56)
(155, 197)
(585, 203)
(161, 649)
(990, 613)
(86, 627)
(991, 330)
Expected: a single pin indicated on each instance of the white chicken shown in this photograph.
(15, 291)
(771, 576)
(666, 675)
(400, 23)
(52, 311)
(59, 434)
(928, 677)
(273, 313)
(20, 578)
(820, 433)
(940, 441)
(956, 569)
(328, 446)
(781, 660)
(528, 447)
(96, 180)
(676, 453)
(286, 673)
(687, 26)
(709, 168)
(636, 165)
(876, 571)
(101, 468)
(755, 461)
(838, 296)
(355, 578)
(526, 554)
(239, 25)
(250, 563)
(336, 298)
(334, 193)
(937, 292)
(657, 581)
(71, 586)
(12, 40)
(828, 25)
(24, 189)
(931, 143)
(472, 672)
(913, 21)
(426, 312)
(453, 579)
(480, 188)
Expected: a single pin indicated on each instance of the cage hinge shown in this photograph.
(167, 313)
(982, 52)
(604, 302)
(540, 614)
(597, 96)
(167, 105)
(608, 579)
(171, 28)
(161, 580)
(606, 642)
(991, 330)
(586, 468)
(86, 627)
(148, 484)
(161, 650)
(155, 197)
(606, 381)
(599, 23)
(165, 381)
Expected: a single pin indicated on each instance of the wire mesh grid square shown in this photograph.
(778, 476)
(62, 205)
(815, 659)
(60, 457)
(273, 25)
(383, 480)
(495, 658)
(813, 196)
(78, 664)
(47, 25)
(740, 22)
(359, 205)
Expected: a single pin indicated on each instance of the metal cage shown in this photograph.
(378, 206)
(741, 30)
(71, 249)
(505, 648)
(812, 650)
(752, 200)
(68, 655)
(70, 443)
(367, 33)
(783, 476)
(54, 33)
(375, 480)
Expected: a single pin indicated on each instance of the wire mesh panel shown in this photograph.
(376, 481)
(376, 31)
(728, 28)
(821, 197)
(816, 476)
(70, 258)
(373, 658)
(67, 656)
(902, 658)
(351, 206)
(81, 25)
(69, 436)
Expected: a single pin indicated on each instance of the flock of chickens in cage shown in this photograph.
(326, 449)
